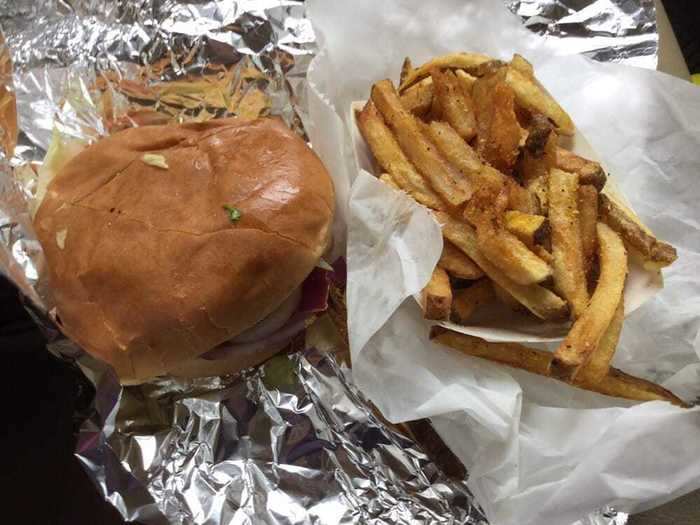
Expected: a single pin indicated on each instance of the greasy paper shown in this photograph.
(537, 451)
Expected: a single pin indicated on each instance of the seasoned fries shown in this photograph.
(538, 158)
(526, 223)
(510, 255)
(532, 97)
(460, 154)
(588, 329)
(467, 300)
(444, 178)
(391, 158)
(452, 61)
(567, 249)
(454, 102)
(588, 217)
(616, 383)
(437, 296)
(506, 299)
(499, 133)
(419, 98)
(457, 264)
(589, 172)
(406, 69)
(540, 301)
(655, 254)
(519, 63)
(465, 79)
(597, 367)
(530, 229)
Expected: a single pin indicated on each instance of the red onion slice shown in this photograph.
(272, 322)
(314, 297)
(295, 325)
(285, 322)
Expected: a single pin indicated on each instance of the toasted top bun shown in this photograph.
(147, 268)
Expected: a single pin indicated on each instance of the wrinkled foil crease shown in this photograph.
(291, 441)
(605, 30)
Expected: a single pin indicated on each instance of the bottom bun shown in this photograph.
(231, 364)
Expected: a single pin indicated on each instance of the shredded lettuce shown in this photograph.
(61, 150)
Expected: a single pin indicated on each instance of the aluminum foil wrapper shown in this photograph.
(291, 441)
(604, 30)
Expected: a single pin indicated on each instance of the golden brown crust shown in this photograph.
(652, 250)
(152, 271)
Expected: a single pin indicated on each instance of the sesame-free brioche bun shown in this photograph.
(147, 268)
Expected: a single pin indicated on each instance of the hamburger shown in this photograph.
(191, 249)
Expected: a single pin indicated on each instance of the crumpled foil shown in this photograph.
(604, 30)
(291, 441)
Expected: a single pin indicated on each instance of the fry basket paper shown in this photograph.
(538, 451)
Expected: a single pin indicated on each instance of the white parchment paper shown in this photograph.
(538, 451)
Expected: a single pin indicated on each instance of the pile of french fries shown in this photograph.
(526, 223)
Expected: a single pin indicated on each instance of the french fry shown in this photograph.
(486, 68)
(463, 157)
(498, 131)
(455, 103)
(597, 367)
(505, 298)
(437, 296)
(543, 254)
(539, 190)
(615, 384)
(589, 172)
(519, 198)
(465, 79)
(510, 354)
(391, 158)
(569, 275)
(540, 301)
(654, 253)
(435, 112)
(538, 158)
(476, 140)
(531, 96)
(445, 179)
(459, 153)
(457, 264)
(586, 332)
(505, 251)
(452, 61)
(419, 98)
(519, 63)
(619, 384)
(588, 217)
(540, 131)
(467, 300)
(406, 69)
(389, 181)
(529, 228)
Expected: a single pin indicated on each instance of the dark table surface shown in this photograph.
(47, 485)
